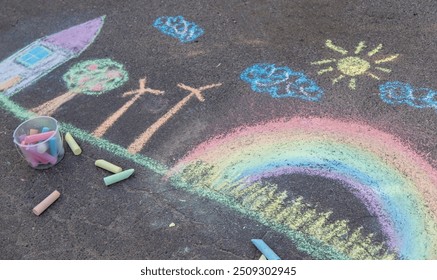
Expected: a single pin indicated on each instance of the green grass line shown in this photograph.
(144, 161)
(312, 246)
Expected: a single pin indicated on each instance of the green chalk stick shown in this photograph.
(109, 180)
(108, 166)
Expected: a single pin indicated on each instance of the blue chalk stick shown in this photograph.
(265, 249)
(53, 147)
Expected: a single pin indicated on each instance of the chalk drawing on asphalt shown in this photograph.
(91, 77)
(136, 94)
(397, 93)
(42, 56)
(354, 65)
(178, 28)
(395, 184)
(281, 82)
(195, 93)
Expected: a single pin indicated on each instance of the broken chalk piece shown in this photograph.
(171, 225)
(72, 144)
(43, 205)
(108, 166)
(265, 249)
(262, 258)
(109, 180)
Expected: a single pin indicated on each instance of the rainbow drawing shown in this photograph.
(396, 185)
(42, 56)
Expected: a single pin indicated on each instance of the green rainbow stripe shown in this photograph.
(313, 246)
(310, 228)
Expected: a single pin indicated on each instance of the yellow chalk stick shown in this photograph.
(72, 143)
(108, 166)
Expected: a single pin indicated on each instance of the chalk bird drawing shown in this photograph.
(281, 82)
(42, 56)
(353, 66)
(179, 28)
(396, 93)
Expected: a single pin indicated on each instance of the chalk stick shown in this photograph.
(265, 249)
(42, 148)
(72, 144)
(53, 147)
(109, 180)
(34, 131)
(108, 166)
(46, 158)
(21, 138)
(262, 258)
(38, 137)
(43, 205)
(30, 158)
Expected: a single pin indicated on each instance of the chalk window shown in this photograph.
(34, 55)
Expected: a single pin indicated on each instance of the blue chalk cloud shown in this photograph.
(396, 93)
(281, 82)
(179, 28)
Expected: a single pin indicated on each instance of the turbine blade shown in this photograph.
(387, 59)
(360, 47)
(375, 50)
(333, 47)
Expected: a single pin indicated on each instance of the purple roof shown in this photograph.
(77, 38)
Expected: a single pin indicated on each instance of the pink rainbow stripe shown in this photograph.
(393, 181)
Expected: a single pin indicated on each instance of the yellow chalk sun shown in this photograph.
(356, 65)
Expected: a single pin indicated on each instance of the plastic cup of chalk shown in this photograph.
(39, 142)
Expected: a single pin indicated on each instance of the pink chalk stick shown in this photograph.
(29, 157)
(44, 158)
(38, 137)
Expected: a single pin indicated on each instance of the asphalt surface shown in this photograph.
(134, 219)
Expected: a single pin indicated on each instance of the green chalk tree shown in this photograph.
(91, 77)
